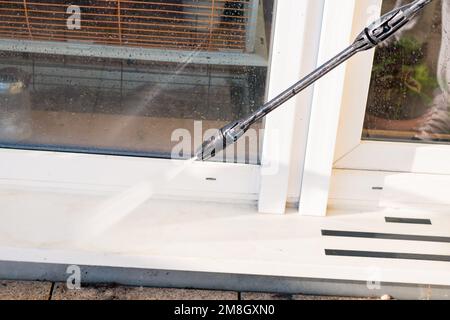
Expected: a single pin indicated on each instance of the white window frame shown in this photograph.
(336, 34)
(291, 57)
(341, 169)
(352, 152)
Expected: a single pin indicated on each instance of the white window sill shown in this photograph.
(51, 227)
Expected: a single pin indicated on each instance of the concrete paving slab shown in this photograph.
(105, 292)
(24, 290)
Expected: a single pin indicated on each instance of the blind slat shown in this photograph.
(214, 25)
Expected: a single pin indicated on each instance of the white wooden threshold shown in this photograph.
(71, 228)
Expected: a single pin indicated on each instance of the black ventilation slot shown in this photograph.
(387, 255)
(408, 221)
(384, 236)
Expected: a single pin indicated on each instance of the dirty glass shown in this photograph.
(409, 91)
(135, 78)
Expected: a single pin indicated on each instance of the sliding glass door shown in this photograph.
(109, 93)
(120, 77)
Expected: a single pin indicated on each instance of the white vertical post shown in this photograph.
(336, 35)
(293, 44)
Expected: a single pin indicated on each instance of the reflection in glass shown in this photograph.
(131, 75)
(409, 90)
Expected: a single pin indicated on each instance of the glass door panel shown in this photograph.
(409, 91)
(130, 77)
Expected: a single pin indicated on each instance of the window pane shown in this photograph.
(130, 77)
(409, 91)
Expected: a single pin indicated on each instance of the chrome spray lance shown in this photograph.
(369, 38)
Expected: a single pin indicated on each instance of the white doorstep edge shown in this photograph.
(228, 266)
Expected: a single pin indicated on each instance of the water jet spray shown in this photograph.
(369, 38)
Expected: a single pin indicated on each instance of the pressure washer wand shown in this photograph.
(369, 38)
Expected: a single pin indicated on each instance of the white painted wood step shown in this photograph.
(211, 237)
